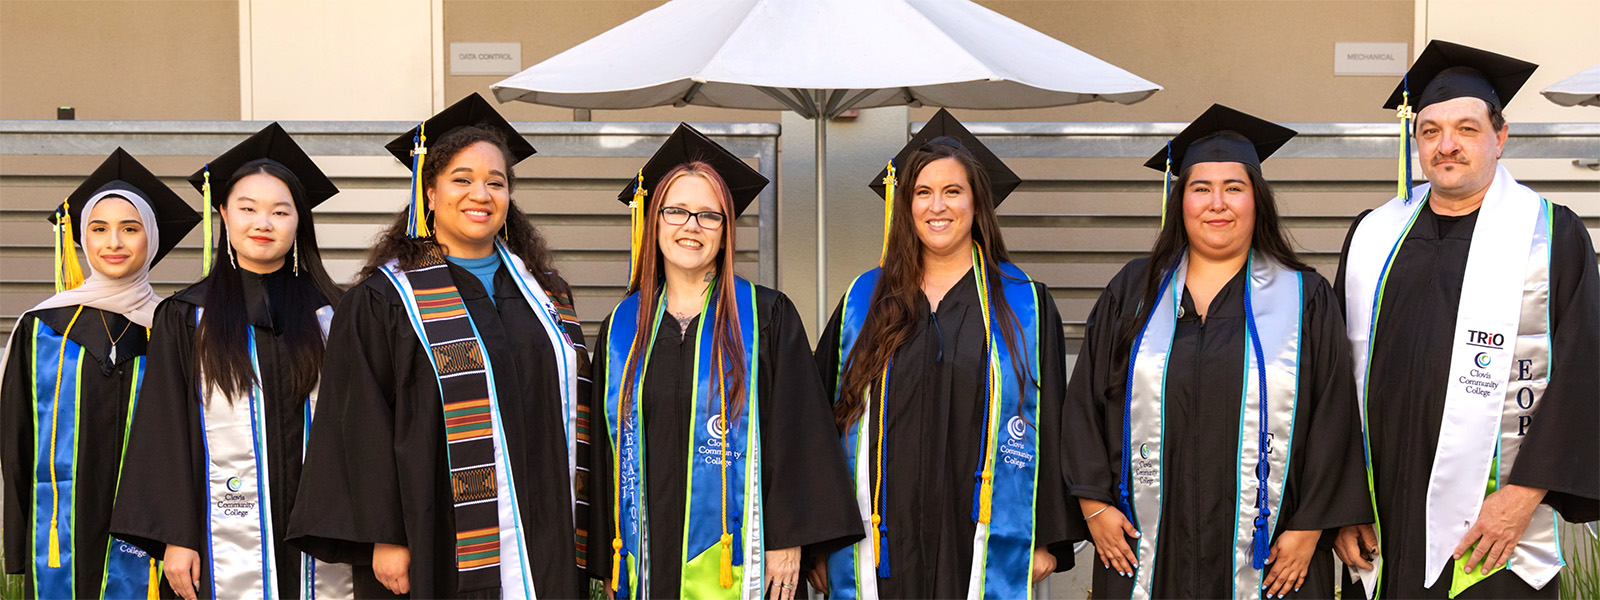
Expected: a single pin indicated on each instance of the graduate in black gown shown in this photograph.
(695, 316)
(1532, 451)
(1169, 467)
(945, 311)
(213, 460)
(501, 375)
(70, 381)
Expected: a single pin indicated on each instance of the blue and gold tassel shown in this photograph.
(417, 222)
(1404, 168)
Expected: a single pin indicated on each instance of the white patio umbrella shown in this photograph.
(820, 58)
(1582, 89)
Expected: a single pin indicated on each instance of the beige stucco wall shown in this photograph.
(111, 59)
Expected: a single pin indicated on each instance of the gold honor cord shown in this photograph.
(877, 492)
(727, 428)
(986, 491)
(418, 206)
(54, 560)
(205, 222)
(888, 211)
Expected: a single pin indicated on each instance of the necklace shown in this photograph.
(114, 339)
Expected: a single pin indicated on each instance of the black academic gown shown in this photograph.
(163, 494)
(1324, 489)
(935, 429)
(104, 418)
(377, 468)
(808, 501)
(1405, 406)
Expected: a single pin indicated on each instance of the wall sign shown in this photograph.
(485, 58)
(1362, 58)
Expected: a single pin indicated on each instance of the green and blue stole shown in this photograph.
(1500, 365)
(1004, 487)
(1273, 306)
(241, 551)
(57, 400)
(720, 546)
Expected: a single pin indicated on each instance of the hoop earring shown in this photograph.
(297, 258)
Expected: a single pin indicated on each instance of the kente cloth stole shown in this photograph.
(723, 547)
(1500, 366)
(57, 370)
(1003, 539)
(1273, 302)
(241, 552)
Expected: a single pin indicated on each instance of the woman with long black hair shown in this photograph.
(1211, 423)
(947, 372)
(718, 465)
(452, 441)
(216, 449)
(70, 382)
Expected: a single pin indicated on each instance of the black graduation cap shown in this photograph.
(1447, 70)
(687, 145)
(1222, 134)
(273, 143)
(174, 217)
(945, 130)
(471, 110)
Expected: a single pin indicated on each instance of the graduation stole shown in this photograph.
(724, 485)
(490, 547)
(241, 551)
(57, 371)
(1273, 305)
(1499, 367)
(1002, 557)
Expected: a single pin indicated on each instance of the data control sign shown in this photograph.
(1367, 58)
(485, 58)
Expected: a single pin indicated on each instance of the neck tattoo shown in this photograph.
(683, 321)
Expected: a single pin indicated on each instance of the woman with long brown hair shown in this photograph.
(1211, 423)
(450, 443)
(947, 371)
(712, 374)
(235, 360)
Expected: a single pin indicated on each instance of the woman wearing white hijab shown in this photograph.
(70, 379)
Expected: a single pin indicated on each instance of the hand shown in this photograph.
(392, 566)
(818, 577)
(1287, 564)
(1110, 531)
(182, 568)
(1044, 563)
(1355, 544)
(1501, 523)
(783, 573)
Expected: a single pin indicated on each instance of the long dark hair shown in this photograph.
(521, 237)
(727, 341)
(221, 341)
(895, 300)
(1268, 237)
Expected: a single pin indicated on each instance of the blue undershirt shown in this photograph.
(482, 268)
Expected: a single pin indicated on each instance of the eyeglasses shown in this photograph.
(707, 219)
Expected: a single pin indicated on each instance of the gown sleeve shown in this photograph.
(601, 527)
(1058, 521)
(16, 440)
(827, 354)
(1086, 414)
(349, 496)
(807, 494)
(159, 500)
(1327, 480)
(1561, 452)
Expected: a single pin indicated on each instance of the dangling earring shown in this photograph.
(229, 244)
(297, 257)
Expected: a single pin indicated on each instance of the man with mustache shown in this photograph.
(1473, 309)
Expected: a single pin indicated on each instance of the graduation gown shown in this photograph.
(163, 496)
(105, 387)
(377, 468)
(935, 428)
(1325, 487)
(1410, 370)
(805, 486)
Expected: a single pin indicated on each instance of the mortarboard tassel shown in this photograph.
(1404, 168)
(205, 223)
(71, 272)
(417, 226)
(636, 227)
(888, 211)
(1166, 185)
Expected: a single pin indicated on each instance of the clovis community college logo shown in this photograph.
(234, 484)
(716, 427)
(1482, 360)
(1144, 450)
(1016, 428)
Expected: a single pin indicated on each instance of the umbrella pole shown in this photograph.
(822, 221)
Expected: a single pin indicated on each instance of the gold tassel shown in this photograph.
(635, 227)
(877, 554)
(71, 271)
(727, 561)
(419, 203)
(986, 496)
(55, 545)
(888, 211)
(153, 591)
(1166, 186)
(205, 223)
(616, 561)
